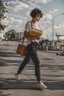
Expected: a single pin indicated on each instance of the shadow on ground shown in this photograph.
(22, 84)
(2, 94)
(58, 85)
(15, 84)
(4, 62)
(9, 54)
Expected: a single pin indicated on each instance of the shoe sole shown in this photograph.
(42, 87)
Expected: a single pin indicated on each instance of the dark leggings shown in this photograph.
(31, 53)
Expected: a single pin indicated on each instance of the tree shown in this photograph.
(10, 34)
(2, 12)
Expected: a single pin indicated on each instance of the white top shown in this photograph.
(28, 27)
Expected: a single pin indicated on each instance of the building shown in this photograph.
(18, 35)
(59, 43)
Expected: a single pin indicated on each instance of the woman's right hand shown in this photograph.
(32, 38)
(25, 34)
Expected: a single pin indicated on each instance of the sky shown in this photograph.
(19, 13)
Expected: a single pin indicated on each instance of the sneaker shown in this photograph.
(41, 85)
(17, 76)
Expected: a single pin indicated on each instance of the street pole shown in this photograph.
(47, 41)
(53, 28)
(52, 33)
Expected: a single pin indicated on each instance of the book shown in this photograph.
(35, 32)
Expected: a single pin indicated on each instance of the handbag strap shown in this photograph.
(32, 25)
(23, 40)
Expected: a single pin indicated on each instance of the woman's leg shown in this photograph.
(23, 64)
(37, 72)
(36, 61)
(25, 61)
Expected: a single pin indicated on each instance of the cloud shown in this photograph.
(47, 17)
(34, 5)
(16, 5)
(16, 21)
(28, 13)
(46, 23)
(16, 24)
(43, 1)
(5, 21)
(52, 11)
(37, 1)
(17, 16)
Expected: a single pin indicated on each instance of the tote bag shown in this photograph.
(21, 50)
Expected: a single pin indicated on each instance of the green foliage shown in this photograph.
(2, 27)
(10, 34)
(2, 12)
(2, 9)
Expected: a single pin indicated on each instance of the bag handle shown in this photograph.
(32, 25)
(23, 40)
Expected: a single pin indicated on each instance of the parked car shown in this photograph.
(60, 52)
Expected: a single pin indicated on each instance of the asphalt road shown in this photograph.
(52, 73)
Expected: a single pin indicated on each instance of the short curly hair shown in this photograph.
(34, 12)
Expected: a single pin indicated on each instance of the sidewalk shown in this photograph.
(52, 73)
(9, 86)
(48, 51)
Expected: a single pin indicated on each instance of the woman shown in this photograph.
(36, 14)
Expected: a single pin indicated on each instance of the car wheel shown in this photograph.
(56, 53)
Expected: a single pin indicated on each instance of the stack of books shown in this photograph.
(35, 32)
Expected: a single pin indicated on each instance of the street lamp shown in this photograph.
(53, 26)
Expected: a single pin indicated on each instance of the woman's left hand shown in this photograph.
(32, 38)
(37, 37)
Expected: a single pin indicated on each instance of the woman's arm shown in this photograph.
(26, 35)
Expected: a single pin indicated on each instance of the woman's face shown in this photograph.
(38, 16)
